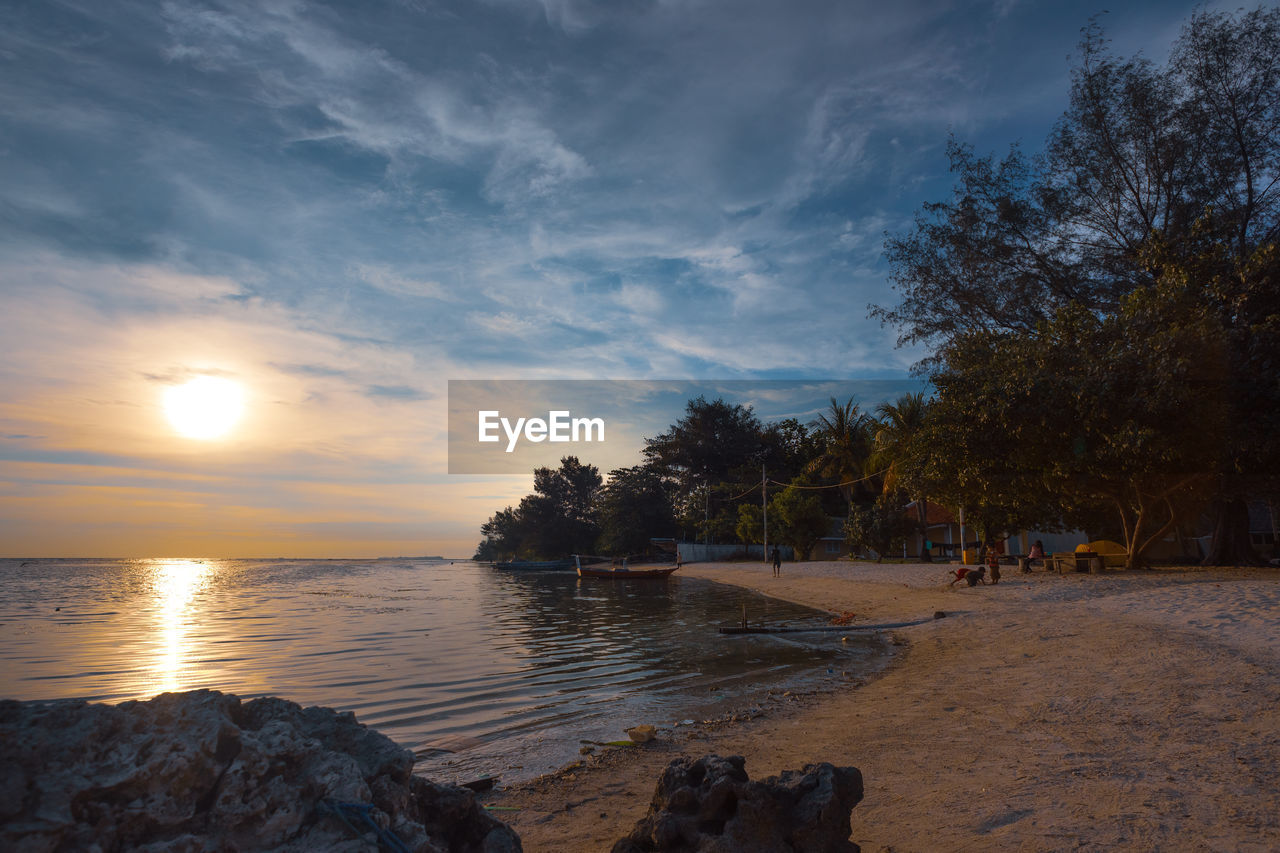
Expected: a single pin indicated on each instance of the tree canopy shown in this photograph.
(1141, 151)
(557, 519)
(1124, 278)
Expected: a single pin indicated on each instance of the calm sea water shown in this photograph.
(477, 670)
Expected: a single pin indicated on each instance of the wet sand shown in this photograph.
(1129, 710)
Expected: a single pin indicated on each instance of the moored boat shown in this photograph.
(625, 574)
(621, 571)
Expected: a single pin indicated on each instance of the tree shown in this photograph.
(879, 526)
(788, 447)
(801, 520)
(1123, 410)
(502, 534)
(900, 430)
(633, 507)
(713, 444)
(750, 524)
(557, 519)
(1154, 174)
(1242, 301)
(1141, 152)
(565, 500)
(847, 444)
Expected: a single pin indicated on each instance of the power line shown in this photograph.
(794, 486)
(832, 486)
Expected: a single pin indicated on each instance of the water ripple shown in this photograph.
(476, 670)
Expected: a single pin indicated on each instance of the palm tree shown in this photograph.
(900, 425)
(847, 445)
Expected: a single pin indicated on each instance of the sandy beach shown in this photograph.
(1134, 711)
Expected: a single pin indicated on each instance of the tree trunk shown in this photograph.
(1230, 545)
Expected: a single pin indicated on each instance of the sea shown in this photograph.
(480, 671)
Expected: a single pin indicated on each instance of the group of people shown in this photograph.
(973, 575)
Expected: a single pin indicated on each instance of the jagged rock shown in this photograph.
(202, 771)
(709, 805)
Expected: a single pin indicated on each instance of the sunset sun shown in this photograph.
(206, 407)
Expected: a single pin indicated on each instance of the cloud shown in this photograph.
(389, 280)
(398, 392)
(343, 208)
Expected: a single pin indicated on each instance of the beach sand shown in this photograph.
(1128, 710)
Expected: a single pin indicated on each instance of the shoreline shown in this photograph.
(1124, 710)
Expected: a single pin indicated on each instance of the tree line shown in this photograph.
(1105, 313)
(701, 480)
(1103, 317)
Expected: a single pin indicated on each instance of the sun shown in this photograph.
(206, 407)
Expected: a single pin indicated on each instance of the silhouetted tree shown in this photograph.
(1154, 175)
(633, 507)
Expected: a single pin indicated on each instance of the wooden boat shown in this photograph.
(623, 573)
(618, 572)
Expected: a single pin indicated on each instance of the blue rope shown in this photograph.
(361, 812)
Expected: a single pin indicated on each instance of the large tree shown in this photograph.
(1142, 151)
(1153, 174)
(900, 429)
(707, 456)
(801, 521)
(1122, 410)
(878, 526)
(633, 507)
(557, 519)
(847, 442)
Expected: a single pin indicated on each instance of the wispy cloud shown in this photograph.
(343, 207)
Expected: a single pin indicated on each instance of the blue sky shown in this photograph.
(341, 206)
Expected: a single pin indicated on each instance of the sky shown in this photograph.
(340, 207)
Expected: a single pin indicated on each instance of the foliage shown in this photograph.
(1141, 151)
(557, 519)
(1123, 409)
(879, 526)
(633, 507)
(789, 447)
(801, 520)
(1153, 211)
(847, 443)
(900, 429)
(751, 524)
(706, 456)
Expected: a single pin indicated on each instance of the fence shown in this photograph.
(696, 552)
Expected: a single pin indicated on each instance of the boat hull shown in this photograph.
(626, 574)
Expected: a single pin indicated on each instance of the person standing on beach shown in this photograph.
(777, 562)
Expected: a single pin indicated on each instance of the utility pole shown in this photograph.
(764, 507)
(706, 520)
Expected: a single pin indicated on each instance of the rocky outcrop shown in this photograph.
(204, 771)
(710, 806)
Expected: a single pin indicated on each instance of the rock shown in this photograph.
(939, 614)
(710, 806)
(642, 734)
(202, 771)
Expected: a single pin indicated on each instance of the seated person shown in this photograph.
(1035, 554)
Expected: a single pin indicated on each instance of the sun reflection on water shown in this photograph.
(175, 584)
